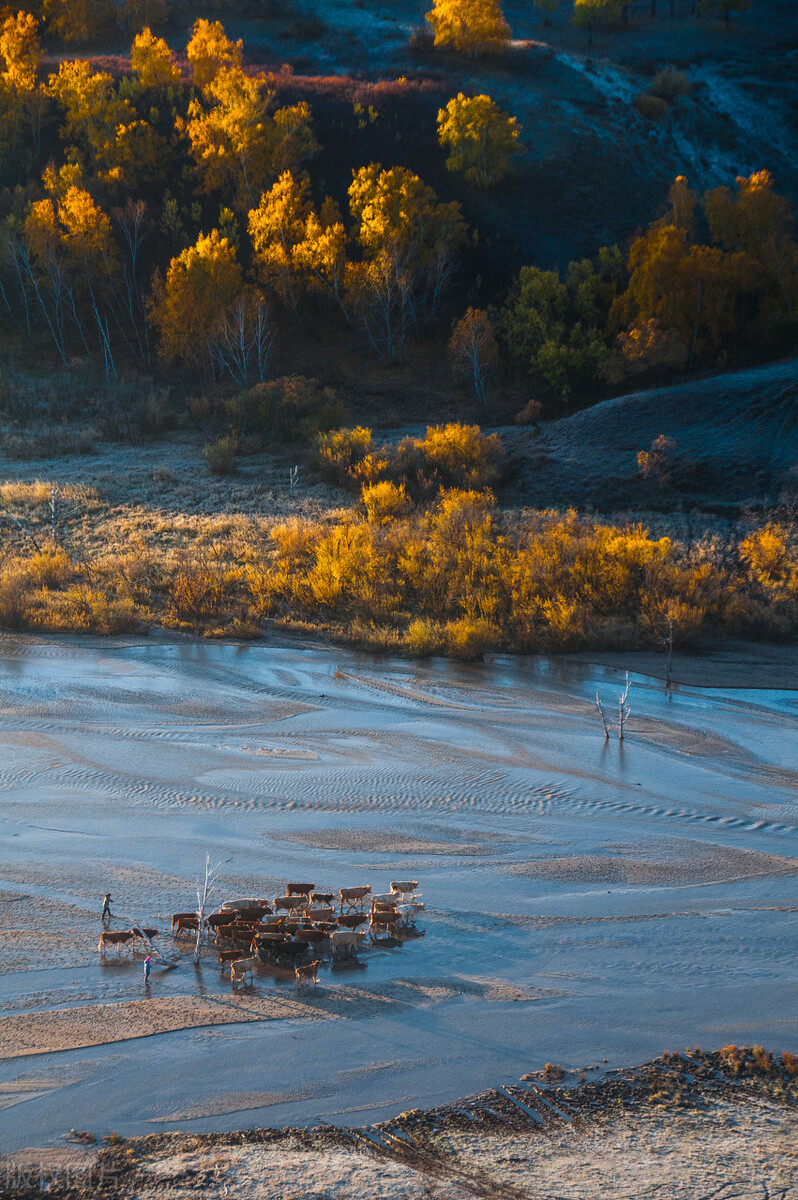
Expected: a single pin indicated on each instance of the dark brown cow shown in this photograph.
(299, 889)
(218, 920)
(322, 897)
(351, 920)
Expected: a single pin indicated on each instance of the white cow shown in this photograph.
(345, 942)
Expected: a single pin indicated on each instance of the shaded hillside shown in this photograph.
(736, 444)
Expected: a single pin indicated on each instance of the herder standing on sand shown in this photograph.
(106, 906)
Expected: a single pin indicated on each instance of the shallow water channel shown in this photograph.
(585, 900)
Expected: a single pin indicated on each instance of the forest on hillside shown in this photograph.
(175, 219)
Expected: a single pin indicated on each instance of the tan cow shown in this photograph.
(290, 903)
(353, 898)
(345, 942)
(241, 968)
(404, 887)
(309, 972)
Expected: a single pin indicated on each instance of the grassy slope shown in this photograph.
(739, 433)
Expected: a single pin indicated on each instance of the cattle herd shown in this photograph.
(288, 929)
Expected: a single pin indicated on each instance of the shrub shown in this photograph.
(470, 637)
(197, 587)
(790, 1062)
(424, 638)
(293, 408)
(14, 607)
(530, 414)
(657, 464)
(453, 455)
(341, 449)
(384, 501)
(669, 85)
(86, 609)
(653, 108)
(221, 455)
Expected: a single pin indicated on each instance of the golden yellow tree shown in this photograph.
(296, 247)
(239, 146)
(210, 50)
(480, 138)
(20, 52)
(151, 61)
(409, 240)
(22, 102)
(200, 284)
(471, 27)
(92, 107)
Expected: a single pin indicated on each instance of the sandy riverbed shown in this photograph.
(585, 901)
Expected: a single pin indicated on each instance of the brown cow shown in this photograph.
(351, 920)
(311, 971)
(218, 920)
(226, 956)
(320, 912)
(383, 922)
(322, 897)
(118, 939)
(142, 934)
(184, 923)
(299, 889)
(312, 936)
(176, 917)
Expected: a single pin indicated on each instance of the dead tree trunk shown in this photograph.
(623, 708)
(603, 718)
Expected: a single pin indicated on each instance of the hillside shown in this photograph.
(736, 441)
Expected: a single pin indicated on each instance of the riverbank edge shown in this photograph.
(730, 663)
(692, 1081)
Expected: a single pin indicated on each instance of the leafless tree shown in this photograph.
(623, 708)
(242, 345)
(603, 717)
(204, 891)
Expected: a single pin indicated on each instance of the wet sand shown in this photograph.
(585, 900)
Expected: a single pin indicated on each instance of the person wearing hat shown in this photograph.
(147, 966)
(106, 905)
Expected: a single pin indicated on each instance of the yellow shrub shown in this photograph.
(470, 637)
(85, 609)
(770, 557)
(340, 449)
(425, 637)
(384, 501)
(50, 569)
